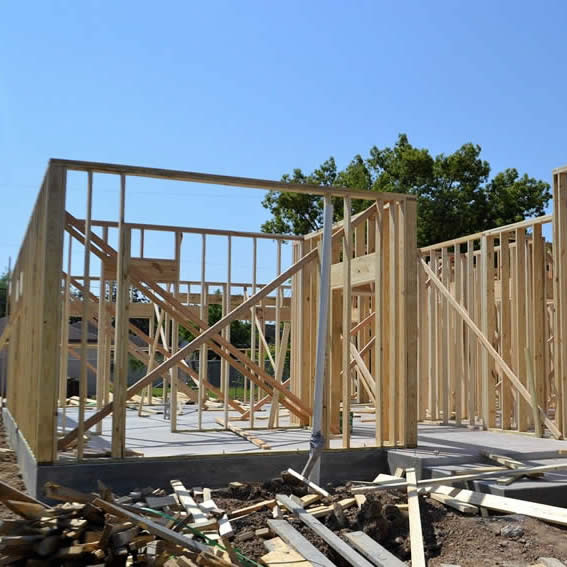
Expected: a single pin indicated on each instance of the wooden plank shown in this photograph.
(396, 483)
(187, 502)
(488, 346)
(229, 180)
(252, 508)
(158, 269)
(410, 328)
(85, 320)
(372, 550)
(416, 533)
(281, 356)
(9, 493)
(560, 296)
(393, 322)
(121, 340)
(533, 393)
(488, 327)
(378, 311)
(203, 351)
(444, 382)
(344, 550)
(49, 316)
(539, 307)
(152, 527)
(462, 507)
(521, 324)
(282, 555)
(545, 512)
(301, 544)
(347, 321)
(316, 488)
(505, 329)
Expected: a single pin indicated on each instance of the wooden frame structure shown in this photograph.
(372, 341)
(491, 321)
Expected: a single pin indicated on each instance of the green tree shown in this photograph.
(455, 193)
(239, 330)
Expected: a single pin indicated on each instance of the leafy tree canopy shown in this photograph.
(455, 193)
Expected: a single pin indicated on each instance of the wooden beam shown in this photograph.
(488, 346)
(233, 181)
(544, 512)
(334, 541)
(121, 335)
(51, 260)
(416, 533)
(372, 550)
(296, 541)
(347, 320)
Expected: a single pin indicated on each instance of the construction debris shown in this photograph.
(242, 526)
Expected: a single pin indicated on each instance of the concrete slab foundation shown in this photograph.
(194, 456)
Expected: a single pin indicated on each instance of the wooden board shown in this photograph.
(282, 555)
(372, 550)
(344, 550)
(544, 512)
(156, 269)
(299, 543)
(416, 533)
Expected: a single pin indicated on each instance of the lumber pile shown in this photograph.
(146, 527)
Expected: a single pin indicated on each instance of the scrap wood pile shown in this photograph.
(286, 522)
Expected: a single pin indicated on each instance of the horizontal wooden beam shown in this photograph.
(196, 230)
(492, 232)
(229, 180)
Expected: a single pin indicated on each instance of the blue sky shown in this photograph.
(258, 88)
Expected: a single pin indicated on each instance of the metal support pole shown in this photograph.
(313, 467)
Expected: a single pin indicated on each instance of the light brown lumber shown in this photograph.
(229, 180)
(320, 511)
(533, 393)
(463, 507)
(152, 527)
(347, 320)
(314, 487)
(245, 435)
(9, 493)
(395, 483)
(372, 550)
(310, 499)
(544, 512)
(510, 463)
(85, 320)
(50, 247)
(367, 379)
(416, 533)
(344, 550)
(282, 555)
(281, 356)
(187, 502)
(252, 508)
(299, 543)
(28, 510)
(488, 346)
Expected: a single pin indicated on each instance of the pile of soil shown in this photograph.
(449, 536)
